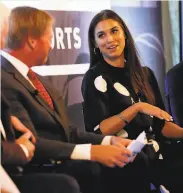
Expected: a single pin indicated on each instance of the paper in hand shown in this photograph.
(136, 145)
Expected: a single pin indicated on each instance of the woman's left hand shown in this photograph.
(153, 111)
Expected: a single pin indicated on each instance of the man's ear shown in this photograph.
(31, 42)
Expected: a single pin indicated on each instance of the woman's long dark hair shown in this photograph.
(138, 75)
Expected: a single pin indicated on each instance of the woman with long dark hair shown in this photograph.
(120, 96)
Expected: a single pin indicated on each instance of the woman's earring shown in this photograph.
(126, 41)
(94, 49)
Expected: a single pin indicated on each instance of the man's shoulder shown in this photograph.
(176, 70)
(174, 77)
(3, 61)
(6, 66)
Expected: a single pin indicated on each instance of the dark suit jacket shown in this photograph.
(56, 139)
(174, 93)
(11, 153)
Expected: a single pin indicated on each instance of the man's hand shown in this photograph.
(24, 140)
(20, 127)
(120, 142)
(110, 155)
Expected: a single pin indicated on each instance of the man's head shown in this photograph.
(30, 29)
(4, 13)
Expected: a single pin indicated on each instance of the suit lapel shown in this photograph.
(8, 67)
(59, 112)
(31, 89)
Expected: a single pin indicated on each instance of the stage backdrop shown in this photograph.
(69, 59)
(144, 22)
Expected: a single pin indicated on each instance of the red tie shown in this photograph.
(39, 86)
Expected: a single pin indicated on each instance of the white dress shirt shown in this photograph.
(2, 129)
(81, 151)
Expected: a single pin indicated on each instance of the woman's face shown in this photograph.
(110, 39)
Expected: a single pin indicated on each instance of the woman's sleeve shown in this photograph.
(158, 124)
(96, 103)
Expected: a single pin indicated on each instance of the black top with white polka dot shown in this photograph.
(107, 91)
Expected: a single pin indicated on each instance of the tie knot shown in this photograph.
(31, 74)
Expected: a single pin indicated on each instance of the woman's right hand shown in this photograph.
(153, 111)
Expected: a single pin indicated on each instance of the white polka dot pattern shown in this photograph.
(100, 84)
(121, 89)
